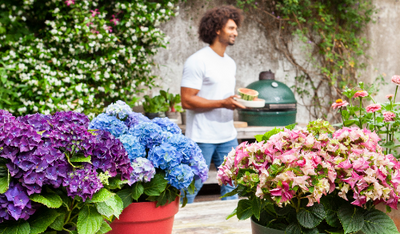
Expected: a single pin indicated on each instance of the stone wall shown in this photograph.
(253, 53)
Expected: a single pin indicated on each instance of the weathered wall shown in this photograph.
(253, 53)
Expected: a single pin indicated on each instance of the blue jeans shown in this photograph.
(216, 152)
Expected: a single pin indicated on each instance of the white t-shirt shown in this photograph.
(214, 76)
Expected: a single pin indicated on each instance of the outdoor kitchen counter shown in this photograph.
(209, 217)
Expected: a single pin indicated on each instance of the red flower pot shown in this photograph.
(146, 218)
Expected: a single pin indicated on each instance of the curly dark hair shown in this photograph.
(215, 19)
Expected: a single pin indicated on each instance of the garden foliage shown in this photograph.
(77, 54)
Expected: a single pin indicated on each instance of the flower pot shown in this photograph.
(259, 229)
(146, 218)
(172, 115)
(152, 115)
(183, 116)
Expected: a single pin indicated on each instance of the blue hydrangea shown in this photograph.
(132, 146)
(119, 109)
(134, 119)
(180, 176)
(167, 125)
(109, 123)
(165, 156)
(148, 133)
(143, 170)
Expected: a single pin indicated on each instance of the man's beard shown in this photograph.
(226, 41)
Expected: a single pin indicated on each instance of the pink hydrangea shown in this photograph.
(389, 116)
(339, 103)
(373, 108)
(360, 93)
(396, 79)
(389, 96)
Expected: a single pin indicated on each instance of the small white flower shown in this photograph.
(113, 61)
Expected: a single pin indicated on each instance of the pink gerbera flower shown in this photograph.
(373, 108)
(360, 93)
(388, 116)
(339, 103)
(389, 96)
(396, 79)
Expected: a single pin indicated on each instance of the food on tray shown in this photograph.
(248, 94)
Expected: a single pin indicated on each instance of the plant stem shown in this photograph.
(374, 121)
(395, 94)
(359, 117)
(341, 115)
(387, 137)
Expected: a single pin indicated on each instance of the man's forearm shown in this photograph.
(196, 102)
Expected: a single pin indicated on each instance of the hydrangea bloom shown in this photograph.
(143, 170)
(132, 146)
(134, 119)
(148, 133)
(109, 123)
(180, 176)
(167, 125)
(165, 156)
(119, 109)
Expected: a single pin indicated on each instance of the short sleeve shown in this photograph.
(193, 73)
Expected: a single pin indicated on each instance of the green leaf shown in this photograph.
(256, 207)
(231, 193)
(331, 212)
(244, 210)
(4, 182)
(89, 220)
(293, 228)
(242, 172)
(351, 217)
(101, 195)
(19, 227)
(155, 186)
(375, 221)
(50, 200)
(310, 231)
(259, 138)
(397, 135)
(310, 217)
(105, 227)
(234, 212)
(126, 197)
(58, 223)
(117, 205)
(192, 187)
(291, 126)
(105, 209)
(81, 158)
(42, 219)
(349, 122)
(137, 190)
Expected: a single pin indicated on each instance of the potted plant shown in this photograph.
(165, 164)
(56, 175)
(155, 107)
(314, 181)
(173, 103)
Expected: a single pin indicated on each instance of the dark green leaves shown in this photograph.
(268, 134)
(19, 227)
(351, 217)
(244, 210)
(42, 219)
(375, 221)
(310, 217)
(155, 186)
(137, 190)
(101, 195)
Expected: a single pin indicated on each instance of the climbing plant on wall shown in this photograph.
(77, 54)
(331, 37)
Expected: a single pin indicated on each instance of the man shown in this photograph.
(208, 87)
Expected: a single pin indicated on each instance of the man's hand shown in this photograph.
(231, 103)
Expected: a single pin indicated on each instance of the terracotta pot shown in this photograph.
(259, 229)
(146, 218)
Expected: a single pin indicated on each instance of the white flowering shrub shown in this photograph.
(77, 55)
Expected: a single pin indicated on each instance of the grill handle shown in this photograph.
(266, 75)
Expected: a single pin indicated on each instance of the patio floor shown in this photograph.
(209, 217)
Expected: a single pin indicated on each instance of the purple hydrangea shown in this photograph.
(109, 123)
(82, 182)
(180, 176)
(15, 203)
(148, 133)
(167, 125)
(71, 118)
(119, 109)
(108, 154)
(134, 119)
(38, 121)
(143, 170)
(133, 146)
